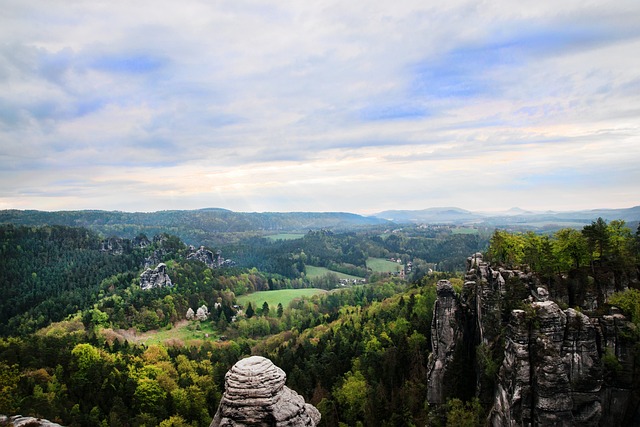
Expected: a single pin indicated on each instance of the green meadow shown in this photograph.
(284, 236)
(313, 272)
(273, 298)
(183, 332)
(381, 265)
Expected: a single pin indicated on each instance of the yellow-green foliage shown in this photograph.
(464, 414)
(566, 249)
(457, 284)
(9, 377)
(629, 302)
(352, 394)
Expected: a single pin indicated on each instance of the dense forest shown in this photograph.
(50, 272)
(72, 307)
(197, 227)
(436, 247)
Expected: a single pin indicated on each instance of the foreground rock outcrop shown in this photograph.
(156, 278)
(20, 421)
(255, 395)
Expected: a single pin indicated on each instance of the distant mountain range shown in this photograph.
(513, 216)
(192, 226)
(197, 226)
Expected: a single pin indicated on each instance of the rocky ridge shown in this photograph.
(256, 395)
(206, 256)
(556, 366)
(156, 278)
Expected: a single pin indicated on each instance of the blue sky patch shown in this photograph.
(463, 72)
(129, 64)
(393, 112)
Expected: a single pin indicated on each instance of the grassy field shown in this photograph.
(313, 272)
(381, 265)
(183, 332)
(285, 236)
(283, 296)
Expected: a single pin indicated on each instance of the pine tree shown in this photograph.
(250, 312)
(280, 310)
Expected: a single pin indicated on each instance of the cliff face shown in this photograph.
(156, 278)
(206, 256)
(559, 367)
(551, 372)
(255, 395)
(446, 336)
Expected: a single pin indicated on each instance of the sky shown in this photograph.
(353, 106)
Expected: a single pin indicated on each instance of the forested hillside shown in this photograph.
(363, 355)
(50, 272)
(438, 248)
(196, 227)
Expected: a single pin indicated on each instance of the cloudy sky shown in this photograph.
(356, 106)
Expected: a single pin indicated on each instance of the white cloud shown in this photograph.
(357, 106)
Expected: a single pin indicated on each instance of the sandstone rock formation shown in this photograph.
(155, 258)
(446, 334)
(114, 245)
(206, 256)
(119, 246)
(551, 372)
(255, 395)
(141, 241)
(20, 421)
(156, 278)
(558, 367)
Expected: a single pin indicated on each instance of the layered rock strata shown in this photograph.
(256, 395)
(551, 372)
(558, 367)
(446, 335)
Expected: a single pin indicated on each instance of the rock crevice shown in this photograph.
(556, 367)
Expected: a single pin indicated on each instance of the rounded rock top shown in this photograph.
(255, 374)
